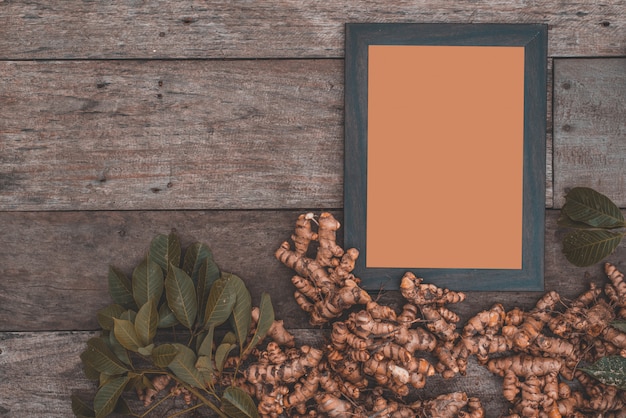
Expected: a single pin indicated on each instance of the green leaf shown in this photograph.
(163, 354)
(184, 366)
(206, 348)
(122, 408)
(147, 350)
(564, 221)
(207, 275)
(166, 317)
(241, 310)
(81, 409)
(586, 247)
(619, 324)
(120, 288)
(90, 372)
(221, 354)
(165, 250)
(146, 322)
(129, 315)
(204, 364)
(108, 395)
(127, 336)
(229, 338)
(220, 303)
(181, 296)
(195, 255)
(586, 205)
(238, 404)
(266, 319)
(610, 370)
(147, 282)
(105, 315)
(120, 352)
(99, 356)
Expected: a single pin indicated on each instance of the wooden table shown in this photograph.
(223, 121)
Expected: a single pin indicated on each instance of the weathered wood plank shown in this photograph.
(53, 265)
(171, 135)
(40, 371)
(278, 28)
(590, 127)
(174, 135)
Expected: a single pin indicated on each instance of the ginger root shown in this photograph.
(374, 351)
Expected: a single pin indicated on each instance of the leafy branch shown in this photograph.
(166, 292)
(597, 224)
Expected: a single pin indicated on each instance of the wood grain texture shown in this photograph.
(171, 134)
(590, 127)
(54, 265)
(277, 28)
(40, 371)
(92, 135)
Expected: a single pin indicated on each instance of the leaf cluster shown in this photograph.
(167, 292)
(597, 224)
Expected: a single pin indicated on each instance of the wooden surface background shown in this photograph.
(223, 120)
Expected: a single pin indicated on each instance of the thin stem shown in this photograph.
(184, 411)
(156, 404)
(202, 398)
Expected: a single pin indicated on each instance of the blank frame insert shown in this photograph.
(445, 156)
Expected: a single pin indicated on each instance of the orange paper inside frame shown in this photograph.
(445, 157)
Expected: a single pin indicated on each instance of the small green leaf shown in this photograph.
(146, 322)
(184, 366)
(90, 371)
(206, 348)
(266, 319)
(105, 315)
(241, 310)
(220, 303)
(619, 324)
(147, 282)
(120, 288)
(120, 352)
(610, 370)
(163, 354)
(166, 317)
(586, 247)
(238, 404)
(81, 409)
(146, 351)
(229, 338)
(99, 356)
(221, 355)
(108, 395)
(122, 408)
(165, 250)
(181, 296)
(203, 364)
(129, 315)
(195, 255)
(207, 275)
(586, 205)
(127, 336)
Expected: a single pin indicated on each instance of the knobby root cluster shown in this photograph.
(375, 351)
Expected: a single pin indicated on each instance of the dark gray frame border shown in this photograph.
(533, 37)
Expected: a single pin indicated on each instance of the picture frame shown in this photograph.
(445, 154)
